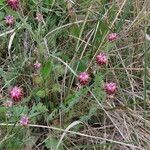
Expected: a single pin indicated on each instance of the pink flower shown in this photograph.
(110, 88)
(24, 121)
(112, 37)
(37, 65)
(9, 20)
(14, 4)
(39, 17)
(16, 94)
(8, 104)
(84, 78)
(101, 59)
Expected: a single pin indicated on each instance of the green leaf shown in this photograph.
(2, 14)
(51, 143)
(46, 69)
(12, 12)
(56, 88)
(2, 2)
(48, 2)
(41, 93)
(17, 112)
(3, 111)
(97, 87)
(39, 108)
(82, 65)
(75, 31)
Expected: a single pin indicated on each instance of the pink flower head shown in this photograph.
(110, 88)
(101, 59)
(37, 65)
(14, 4)
(8, 104)
(84, 78)
(9, 20)
(112, 37)
(16, 94)
(39, 17)
(24, 121)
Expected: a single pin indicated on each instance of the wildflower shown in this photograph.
(16, 93)
(110, 88)
(112, 37)
(101, 59)
(37, 65)
(24, 121)
(83, 78)
(8, 103)
(14, 4)
(9, 20)
(39, 17)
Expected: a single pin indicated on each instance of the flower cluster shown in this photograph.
(16, 92)
(101, 59)
(110, 87)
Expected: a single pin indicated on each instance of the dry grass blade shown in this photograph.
(76, 133)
